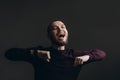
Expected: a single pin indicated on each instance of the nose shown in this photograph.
(60, 29)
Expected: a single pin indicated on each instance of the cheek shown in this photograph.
(66, 33)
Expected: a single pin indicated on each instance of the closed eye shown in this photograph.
(63, 26)
(54, 28)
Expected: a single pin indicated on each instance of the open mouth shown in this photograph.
(61, 35)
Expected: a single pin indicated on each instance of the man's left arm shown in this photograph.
(89, 56)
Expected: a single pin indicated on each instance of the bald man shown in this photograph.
(56, 62)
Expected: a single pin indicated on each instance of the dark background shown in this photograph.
(91, 24)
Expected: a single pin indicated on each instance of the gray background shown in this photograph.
(91, 24)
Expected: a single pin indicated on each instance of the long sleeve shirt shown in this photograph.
(61, 65)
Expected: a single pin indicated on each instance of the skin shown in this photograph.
(58, 35)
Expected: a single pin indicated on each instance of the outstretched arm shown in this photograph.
(89, 56)
(29, 54)
(17, 54)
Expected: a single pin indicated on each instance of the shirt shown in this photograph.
(61, 65)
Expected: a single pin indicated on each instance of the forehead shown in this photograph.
(57, 23)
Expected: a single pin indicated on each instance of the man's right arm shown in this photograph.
(19, 54)
(30, 54)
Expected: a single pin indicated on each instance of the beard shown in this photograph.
(57, 42)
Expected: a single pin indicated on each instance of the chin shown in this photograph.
(61, 43)
(58, 42)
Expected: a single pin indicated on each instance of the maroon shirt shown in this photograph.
(61, 65)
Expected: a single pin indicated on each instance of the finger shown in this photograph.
(48, 60)
(48, 55)
(44, 55)
(75, 62)
(78, 61)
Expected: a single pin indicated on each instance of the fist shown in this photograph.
(78, 61)
(44, 55)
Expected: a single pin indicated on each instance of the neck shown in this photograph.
(58, 47)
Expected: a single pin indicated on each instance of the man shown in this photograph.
(56, 62)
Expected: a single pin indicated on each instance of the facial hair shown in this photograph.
(58, 43)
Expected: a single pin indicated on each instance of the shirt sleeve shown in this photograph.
(20, 54)
(95, 54)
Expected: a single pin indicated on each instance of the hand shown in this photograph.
(45, 55)
(78, 61)
(81, 59)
